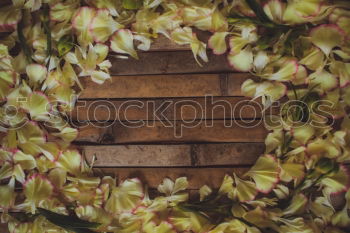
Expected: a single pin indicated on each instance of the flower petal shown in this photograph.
(338, 182)
(314, 59)
(26, 161)
(274, 10)
(103, 26)
(99, 77)
(81, 22)
(70, 161)
(7, 195)
(326, 37)
(297, 205)
(265, 173)
(243, 61)
(245, 190)
(122, 41)
(36, 189)
(9, 18)
(36, 73)
(217, 42)
(125, 197)
(38, 106)
(323, 81)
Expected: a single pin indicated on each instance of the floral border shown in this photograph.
(298, 50)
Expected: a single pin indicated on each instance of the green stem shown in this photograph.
(258, 10)
(234, 18)
(46, 25)
(22, 40)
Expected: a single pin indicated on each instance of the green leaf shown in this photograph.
(132, 4)
(71, 223)
(65, 44)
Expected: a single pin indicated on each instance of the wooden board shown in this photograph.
(4, 228)
(160, 86)
(169, 108)
(172, 62)
(5, 2)
(183, 155)
(171, 132)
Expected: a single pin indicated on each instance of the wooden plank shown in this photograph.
(5, 2)
(162, 43)
(234, 83)
(139, 155)
(172, 132)
(161, 86)
(225, 154)
(172, 62)
(171, 109)
(4, 228)
(197, 177)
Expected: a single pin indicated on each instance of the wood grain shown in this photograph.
(225, 154)
(171, 132)
(4, 228)
(5, 2)
(160, 86)
(170, 108)
(172, 62)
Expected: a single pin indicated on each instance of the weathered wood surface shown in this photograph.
(5, 2)
(160, 86)
(174, 132)
(4, 228)
(169, 108)
(198, 155)
(172, 62)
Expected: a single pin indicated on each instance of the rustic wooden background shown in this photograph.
(167, 72)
